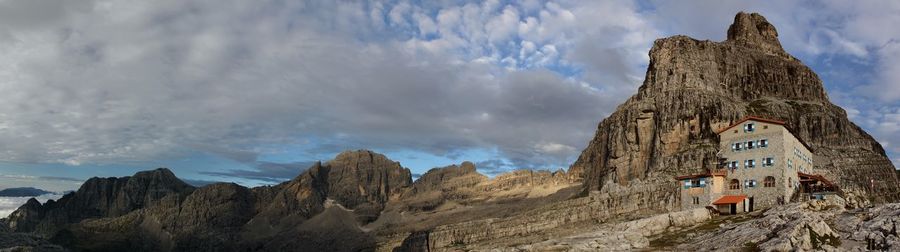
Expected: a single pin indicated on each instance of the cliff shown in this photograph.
(99, 198)
(693, 88)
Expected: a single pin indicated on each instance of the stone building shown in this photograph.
(762, 165)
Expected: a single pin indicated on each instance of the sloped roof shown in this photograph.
(754, 118)
(701, 175)
(816, 177)
(730, 199)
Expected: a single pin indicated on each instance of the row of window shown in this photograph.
(735, 184)
(749, 145)
(751, 163)
(790, 164)
(697, 182)
(802, 156)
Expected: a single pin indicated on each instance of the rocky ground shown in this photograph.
(16, 242)
(810, 226)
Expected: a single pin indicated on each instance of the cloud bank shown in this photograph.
(107, 82)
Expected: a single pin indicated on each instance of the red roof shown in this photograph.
(814, 177)
(758, 119)
(730, 199)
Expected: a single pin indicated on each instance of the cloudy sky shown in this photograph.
(254, 91)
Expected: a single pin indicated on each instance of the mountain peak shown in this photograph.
(752, 29)
(694, 87)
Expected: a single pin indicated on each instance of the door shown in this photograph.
(733, 208)
(751, 204)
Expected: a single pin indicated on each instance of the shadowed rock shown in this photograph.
(98, 198)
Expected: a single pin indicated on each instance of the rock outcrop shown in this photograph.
(364, 180)
(813, 225)
(435, 187)
(693, 88)
(625, 236)
(99, 198)
(539, 220)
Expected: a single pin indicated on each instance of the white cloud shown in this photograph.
(500, 27)
(426, 25)
(117, 81)
(553, 148)
(10, 204)
(398, 13)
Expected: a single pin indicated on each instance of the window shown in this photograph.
(737, 146)
(769, 181)
(768, 161)
(696, 200)
(734, 184)
(698, 182)
(733, 165)
(749, 127)
(750, 145)
(763, 143)
(749, 163)
(790, 182)
(750, 183)
(695, 182)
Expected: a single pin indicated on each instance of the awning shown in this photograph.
(730, 199)
(815, 177)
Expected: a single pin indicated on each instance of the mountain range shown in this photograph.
(22, 192)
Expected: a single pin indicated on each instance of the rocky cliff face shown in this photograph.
(365, 181)
(360, 180)
(693, 88)
(99, 198)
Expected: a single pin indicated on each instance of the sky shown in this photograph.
(254, 92)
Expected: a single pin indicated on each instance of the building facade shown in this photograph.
(761, 166)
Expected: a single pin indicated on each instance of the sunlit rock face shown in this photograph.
(693, 88)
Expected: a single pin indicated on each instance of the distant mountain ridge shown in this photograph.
(23, 192)
(155, 210)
